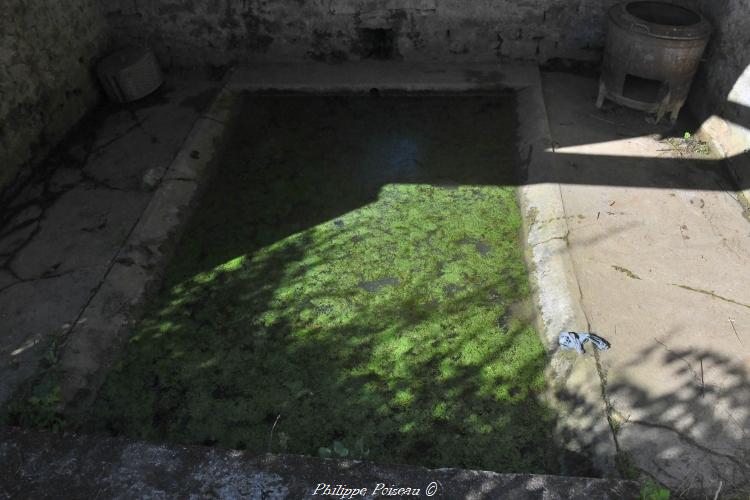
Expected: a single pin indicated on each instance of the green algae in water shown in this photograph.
(352, 271)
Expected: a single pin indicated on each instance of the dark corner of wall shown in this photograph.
(46, 78)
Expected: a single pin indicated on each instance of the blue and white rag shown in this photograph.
(573, 340)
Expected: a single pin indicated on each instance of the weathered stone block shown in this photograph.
(351, 7)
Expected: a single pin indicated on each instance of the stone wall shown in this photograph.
(196, 32)
(726, 58)
(720, 97)
(47, 50)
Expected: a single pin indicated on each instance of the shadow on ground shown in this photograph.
(696, 418)
(352, 284)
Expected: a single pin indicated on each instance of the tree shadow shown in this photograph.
(310, 160)
(618, 147)
(355, 286)
(692, 439)
(208, 341)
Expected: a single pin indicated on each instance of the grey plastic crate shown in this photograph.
(129, 74)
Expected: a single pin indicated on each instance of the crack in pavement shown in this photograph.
(21, 225)
(8, 264)
(600, 370)
(608, 405)
(47, 199)
(682, 358)
(102, 184)
(710, 294)
(21, 281)
(563, 237)
(117, 137)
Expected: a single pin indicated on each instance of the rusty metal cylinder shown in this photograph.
(652, 53)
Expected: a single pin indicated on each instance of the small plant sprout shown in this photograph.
(337, 449)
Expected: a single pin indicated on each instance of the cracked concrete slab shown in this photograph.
(93, 343)
(660, 250)
(34, 313)
(62, 234)
(84, 226)
(116, 125)
(153, 135)
(121, 164)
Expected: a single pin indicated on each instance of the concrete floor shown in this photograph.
(661, 251)
(62, 233)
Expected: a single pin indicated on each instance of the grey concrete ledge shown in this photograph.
(364, 76)
(45, 465)
(573, 379)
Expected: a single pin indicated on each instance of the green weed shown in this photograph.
(651, 490)
(362, 280)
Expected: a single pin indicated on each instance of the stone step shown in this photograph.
(45, 465)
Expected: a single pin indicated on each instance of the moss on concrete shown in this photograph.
(349, 282)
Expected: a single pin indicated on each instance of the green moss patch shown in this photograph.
(349, 286)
